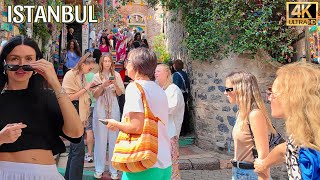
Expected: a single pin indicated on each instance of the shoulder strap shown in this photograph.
(254, 150)
(143, 96)
(145, 103)
(184, 82)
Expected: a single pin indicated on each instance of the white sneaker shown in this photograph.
(88, 158)
(97, 175)
(114, 176)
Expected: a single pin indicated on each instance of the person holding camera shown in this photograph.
(107, 107)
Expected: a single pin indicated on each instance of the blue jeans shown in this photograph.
(75, 162)
(243, 174)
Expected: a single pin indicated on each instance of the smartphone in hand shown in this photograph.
(95, 85)
(111, 78)
(103, 121)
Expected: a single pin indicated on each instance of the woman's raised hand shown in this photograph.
(46, 69)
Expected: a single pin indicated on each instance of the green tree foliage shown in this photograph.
(216, 26)
(159, 48)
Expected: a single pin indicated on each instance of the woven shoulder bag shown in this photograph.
(138, 152)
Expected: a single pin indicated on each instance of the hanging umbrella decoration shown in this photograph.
(139, 28)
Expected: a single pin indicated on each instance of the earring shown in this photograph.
(4, 72)
(34, 73)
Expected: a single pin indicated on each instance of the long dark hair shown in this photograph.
(105, 38)
(36, 82)
(76, 47)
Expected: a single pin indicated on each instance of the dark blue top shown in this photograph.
(177, 80)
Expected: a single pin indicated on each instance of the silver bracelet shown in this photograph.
(62, 91)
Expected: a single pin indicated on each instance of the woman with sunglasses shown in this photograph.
(251, 128)
(32, 117)
(75, 85)
(298, 102)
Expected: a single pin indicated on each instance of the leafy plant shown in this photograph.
(216, 26)
(159, 48)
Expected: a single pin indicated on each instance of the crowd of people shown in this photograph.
(87, 105)
(76, 109)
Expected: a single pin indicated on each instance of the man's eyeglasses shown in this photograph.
(11, 67)
(228, 89)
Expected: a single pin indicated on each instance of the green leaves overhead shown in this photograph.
(221, 26)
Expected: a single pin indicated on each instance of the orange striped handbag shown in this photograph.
(138, 152)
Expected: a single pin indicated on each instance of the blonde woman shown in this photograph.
(176, 111)
(107, 107)
(251, 128)
(75, 85)
(298, 102)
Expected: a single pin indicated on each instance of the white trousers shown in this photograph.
(102, 136)
(27, 171)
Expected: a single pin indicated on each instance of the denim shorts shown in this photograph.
(243, 174)
(89, 124)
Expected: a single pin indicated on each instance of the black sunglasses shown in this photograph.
(11, 67)
(229, 89)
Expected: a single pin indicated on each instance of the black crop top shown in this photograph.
(43, 118)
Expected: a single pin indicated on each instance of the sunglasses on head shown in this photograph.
(229, 89)
(11, 67)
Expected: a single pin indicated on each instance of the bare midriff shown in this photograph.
(33, 156)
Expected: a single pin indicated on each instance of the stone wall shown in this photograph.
(213, 116)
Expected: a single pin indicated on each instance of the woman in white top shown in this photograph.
(141, 65)
(176, 111)
(106, 107)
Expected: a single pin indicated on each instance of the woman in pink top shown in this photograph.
(251, 128)
(104, 45)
